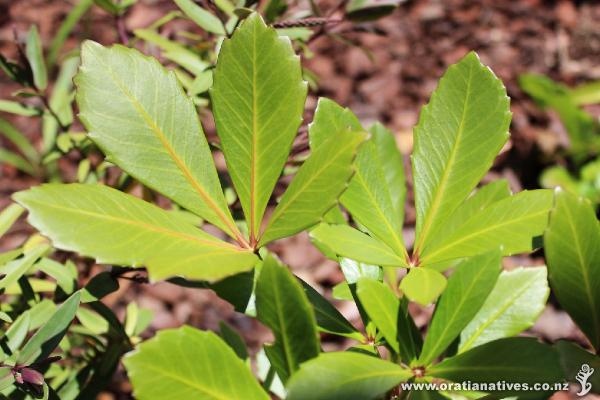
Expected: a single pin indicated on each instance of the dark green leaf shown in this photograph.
(329, 319)
(573, 358)
(572, 243)
(234, 340)
(517, 360)
(45, 340)
(282, 305)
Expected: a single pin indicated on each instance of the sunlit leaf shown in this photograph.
(258, 99)
(116, 228)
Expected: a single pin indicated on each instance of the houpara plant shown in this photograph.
(150, 129)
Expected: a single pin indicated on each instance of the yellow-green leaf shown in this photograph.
(258, 99)
(116, 228)
(459, 134)
(150, 128)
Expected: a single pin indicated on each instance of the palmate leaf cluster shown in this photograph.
(151, 130)
(350, 194)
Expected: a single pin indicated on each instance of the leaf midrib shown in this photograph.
(389, 318)
(299, 192)
(493, 318)
(480, 231)
(144, 225)
(584, 272)
(253, 152)
(452, 318)
(400, 249)
(281, 321)
(171, 151)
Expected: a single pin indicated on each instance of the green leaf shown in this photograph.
(189, 363)
(16, 161)
(316, 187)
(345, 375)
(19, 140)
(13, 107)
(116, 228)
(477, 202)
(150, 129)
(329, 119)
(354, 270)
(511, 224)
(329, 319)
(376, 193)
(99, 286)
(383, 308)
(572, 359)
(16, 334)
(66, 27)
(9, 216)
(514, 304)
(349, 242)
(258, 99)
(65, 276)
(282, 305)
(468, 288)
(233, 340)
(393, 166)
(35, 57)
(108, 6)
(572, 243)
(6, 377)
(15, 269)
(581, 126)
(587, 93)
(174, 51)
(512, 360)
(369, 10)
(423, 285)
(201, 17)
(61, 103)
(45, 340)
(459, 134)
